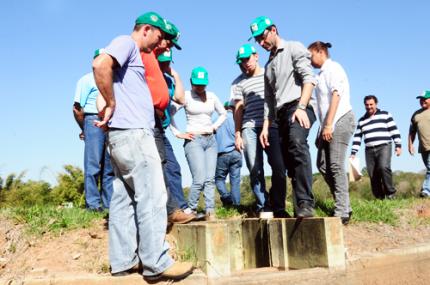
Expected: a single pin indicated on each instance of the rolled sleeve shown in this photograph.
(302, 63)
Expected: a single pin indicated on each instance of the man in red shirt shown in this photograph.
(160, 97)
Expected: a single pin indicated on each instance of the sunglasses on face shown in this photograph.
(263, 36)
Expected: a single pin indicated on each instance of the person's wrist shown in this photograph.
(301, 107)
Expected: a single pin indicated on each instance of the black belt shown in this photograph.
(287, 106)
(377, 146)
(91, 114)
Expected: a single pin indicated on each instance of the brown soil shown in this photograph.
(85, 251)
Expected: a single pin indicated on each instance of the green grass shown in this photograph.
(49, 219)
(378, 211)
(225, 213)
(41, 217)
(189, 254)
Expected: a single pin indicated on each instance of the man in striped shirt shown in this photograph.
(378, 129)
(247, 92)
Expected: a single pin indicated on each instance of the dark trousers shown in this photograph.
(173, 175)
(295, 151)
(378, 162)
(172, 204)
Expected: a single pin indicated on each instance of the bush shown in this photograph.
(28, 194)
(15, 192)
(70, 187)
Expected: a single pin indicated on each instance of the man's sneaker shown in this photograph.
(178, 271)
(188, 211)
(424, 194)
(180, 217)
(265, 215)
(305, 211)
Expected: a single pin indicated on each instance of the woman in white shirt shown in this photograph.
(200, 144)
(337, 126)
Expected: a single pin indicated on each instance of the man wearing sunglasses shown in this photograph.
(289, 82)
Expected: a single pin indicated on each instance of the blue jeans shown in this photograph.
(378, 162)
(426, 159)
(172, 171)
(331, 163)
(137, 217)
(201, 154)
(295, 150)
(229, 163)
(97, 166)
(254, 161)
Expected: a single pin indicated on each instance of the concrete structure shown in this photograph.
(226, 246)
(306, 243)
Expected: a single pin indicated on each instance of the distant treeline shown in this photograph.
(15, 191)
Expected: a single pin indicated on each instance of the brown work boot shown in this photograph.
(178, 271)
(179, 217)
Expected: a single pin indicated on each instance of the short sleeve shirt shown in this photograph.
(86, 93)
(134, 108)
(420, 123)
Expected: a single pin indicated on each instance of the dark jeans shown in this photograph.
(172, 171)
(229, 163)
(172, 204)
(378, 162)
(97, 166)
(295, 151)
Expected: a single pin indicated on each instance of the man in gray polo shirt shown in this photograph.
(137, 217)
(289, 82)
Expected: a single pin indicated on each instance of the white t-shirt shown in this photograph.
(332, 77)
(199, 113)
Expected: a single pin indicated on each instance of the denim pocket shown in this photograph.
(121, 153)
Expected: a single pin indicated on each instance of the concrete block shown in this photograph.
(255, 243)
(207, 245)
(278, 239)
(312, 242)
(235, 243)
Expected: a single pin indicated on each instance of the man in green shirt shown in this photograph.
(420, 123)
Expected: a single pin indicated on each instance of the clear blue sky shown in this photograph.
(47, 45)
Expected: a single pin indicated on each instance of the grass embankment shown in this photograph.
(39, 220)
(44, 216)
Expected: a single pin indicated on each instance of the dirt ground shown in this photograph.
(86, 250)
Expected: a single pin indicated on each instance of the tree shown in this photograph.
(70, 186)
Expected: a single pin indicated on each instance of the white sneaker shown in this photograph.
(188, 211)
(265, 215)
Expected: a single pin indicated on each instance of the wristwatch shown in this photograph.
(301, 106)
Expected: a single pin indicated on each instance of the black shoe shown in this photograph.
(97, 210)
(305, 211)
(345, 220)
(281, 214)
(391, 196)
(227, 202)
